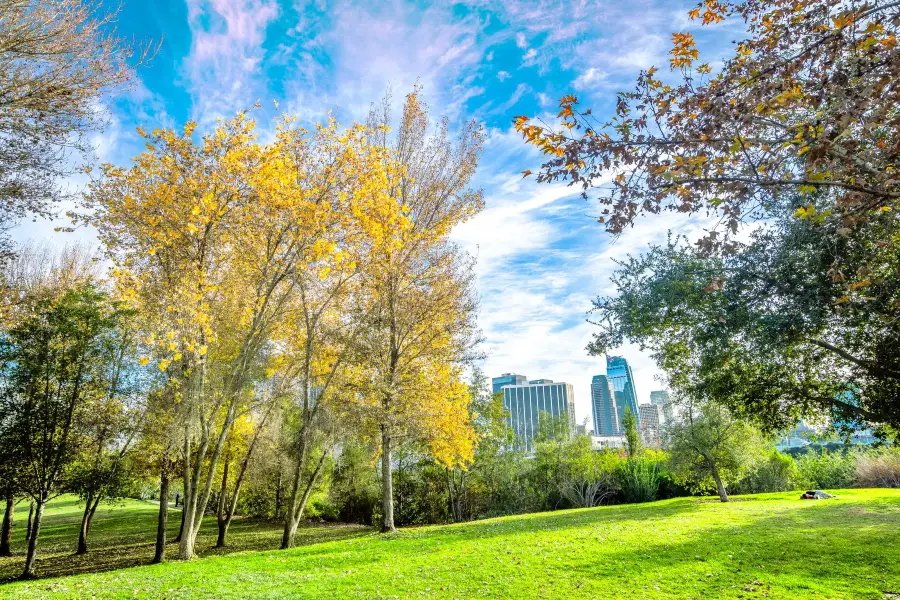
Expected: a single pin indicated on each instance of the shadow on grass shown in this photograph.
(124, 536)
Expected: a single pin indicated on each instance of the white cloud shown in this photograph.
(223, 69)
(591, 78)
(529, 55)
(503, 75)
(521, 42)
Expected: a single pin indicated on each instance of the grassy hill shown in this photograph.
(771, 545)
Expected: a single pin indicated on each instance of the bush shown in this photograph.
(879, 469)
(639, 479)
(777, 473)
(828, 469)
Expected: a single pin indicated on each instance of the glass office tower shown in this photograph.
(603, 403)
(528, 402)
(619, 372)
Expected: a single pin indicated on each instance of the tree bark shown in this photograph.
(90, 508)
(6, 528)
(294, 502)
(304, 499)
(720, 487)
(180, 528)
(30, 521)
(29, 571)
(387, 484)
(159, 554)
(220, 508)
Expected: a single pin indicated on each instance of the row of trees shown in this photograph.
(306, 285)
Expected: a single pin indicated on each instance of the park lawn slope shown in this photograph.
(124, 533)
(771, 545)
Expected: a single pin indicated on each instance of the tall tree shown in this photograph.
(417, 295)
(58, 60)
(54, 374)
(632, 434)
(208, 240)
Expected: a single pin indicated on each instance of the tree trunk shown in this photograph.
(29, 572)
(220, 509)
(294, 502)
(180, 528)
(30, 520)
(90, 508)
(278, 493)
(239, 482)
(6, 528)
(298, 512)
(387, 487)
(720, 487)
(159, 554)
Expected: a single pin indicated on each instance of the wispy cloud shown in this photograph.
(224, 69)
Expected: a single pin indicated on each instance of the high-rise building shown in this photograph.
(528, 402)
(650, 427)
(507, 379)
(603, 403)
(619, 373)
(661, 399)
(649, 416)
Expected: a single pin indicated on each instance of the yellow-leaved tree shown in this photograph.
(416, 301)
(208, 238)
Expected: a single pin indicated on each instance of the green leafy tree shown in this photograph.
(709, 447)
(632, 434)
(769, 330)
(54, 375)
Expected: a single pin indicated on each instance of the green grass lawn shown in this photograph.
(123, 535)
(766, 546)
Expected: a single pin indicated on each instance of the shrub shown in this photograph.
(828, 469)
(639, 479)
(879, 469)
(777, 473)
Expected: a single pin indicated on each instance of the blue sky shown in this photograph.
(541, 254)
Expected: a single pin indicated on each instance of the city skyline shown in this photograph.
(595, 404)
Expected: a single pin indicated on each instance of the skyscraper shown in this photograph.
(619, 373)
(648, 417)
(603, 403)
(661, 399)
(507, 379)
(528, 402)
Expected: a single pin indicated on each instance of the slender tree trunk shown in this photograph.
(720, 487)
(159, 554)
(29, 572)
(181, 527)
(30, 521)
(294, 502)
(278, 494)
(238, 483)
(301, 506)
(6, 528)
(90, 508)
(220, 509)
(387, 484)
(82, 533)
